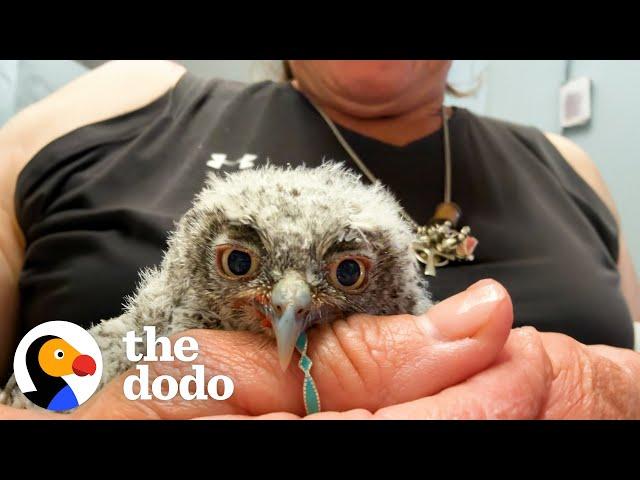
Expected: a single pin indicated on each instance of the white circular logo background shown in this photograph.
(78, 338)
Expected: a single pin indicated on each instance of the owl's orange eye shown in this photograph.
(236, 263)
(349, 274)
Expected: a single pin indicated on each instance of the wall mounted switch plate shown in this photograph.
(575, 102)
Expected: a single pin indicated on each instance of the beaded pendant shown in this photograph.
(438, 243)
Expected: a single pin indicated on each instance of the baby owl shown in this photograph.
(275, 251)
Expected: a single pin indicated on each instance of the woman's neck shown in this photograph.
(396, 130)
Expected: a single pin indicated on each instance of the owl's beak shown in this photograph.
(290, 302)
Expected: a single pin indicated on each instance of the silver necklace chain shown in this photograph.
(369, 174)
(438, 242)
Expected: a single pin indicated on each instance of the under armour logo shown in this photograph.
(218, 160)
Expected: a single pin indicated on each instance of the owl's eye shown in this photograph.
(349, 274)
(236, 262)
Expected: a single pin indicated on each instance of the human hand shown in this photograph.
(365, 362)
(405, 367)
(537, 376)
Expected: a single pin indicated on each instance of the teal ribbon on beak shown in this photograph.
(290, 302)
(309, 389)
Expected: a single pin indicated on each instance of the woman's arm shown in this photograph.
(11, 255)
(113, 89)
(586, 168)
(450, 363)
(364, 362)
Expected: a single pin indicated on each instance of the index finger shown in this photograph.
(364, 362)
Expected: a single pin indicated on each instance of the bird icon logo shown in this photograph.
(58, 365)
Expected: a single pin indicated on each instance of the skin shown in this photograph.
(407, 367)
(400, 101)
(459, 361)
(394, 101)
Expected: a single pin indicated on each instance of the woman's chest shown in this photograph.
(111, 210)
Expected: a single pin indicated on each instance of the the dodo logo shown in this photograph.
(58, 365)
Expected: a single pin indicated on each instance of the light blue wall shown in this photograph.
(527, 91)
(613, 136)
(523, 91)
(239, 70)
(23, 82)
(8, 86)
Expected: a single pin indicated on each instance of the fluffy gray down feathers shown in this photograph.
(295, 219)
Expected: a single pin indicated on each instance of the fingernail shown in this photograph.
(464, 314)
(480, 283)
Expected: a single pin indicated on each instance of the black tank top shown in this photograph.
(96, 205)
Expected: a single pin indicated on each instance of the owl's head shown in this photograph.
(279, 250)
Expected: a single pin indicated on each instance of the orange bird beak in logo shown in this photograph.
(57, 358)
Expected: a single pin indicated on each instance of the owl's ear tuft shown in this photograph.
(213, 177)
(333, 168)
(353, 234)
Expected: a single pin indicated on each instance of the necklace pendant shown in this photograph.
(438, 243)
(447, 211)
(426, 256)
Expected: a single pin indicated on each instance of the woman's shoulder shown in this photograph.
(105, 107)
(499, 126)
(584, 166)
(559, 152)
(115, 88)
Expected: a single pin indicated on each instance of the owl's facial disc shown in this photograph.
(274, 290)
(290, 304)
